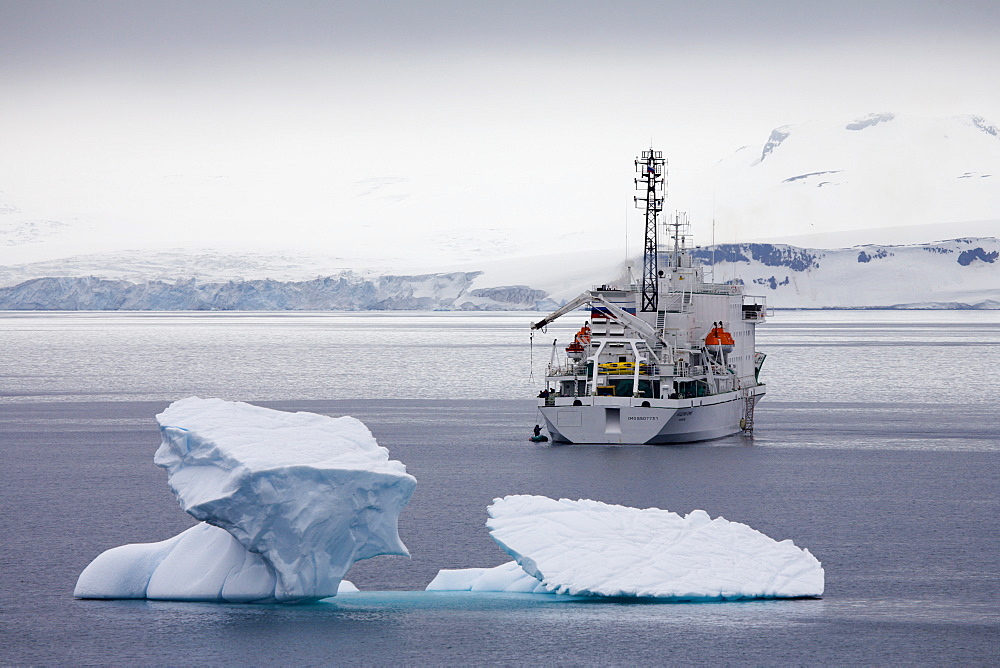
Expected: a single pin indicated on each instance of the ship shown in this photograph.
(669, 357)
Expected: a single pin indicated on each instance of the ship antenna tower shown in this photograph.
(652, 170)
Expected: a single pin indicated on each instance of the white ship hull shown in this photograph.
(618, 420)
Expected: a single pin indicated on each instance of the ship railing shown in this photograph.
(627, 369)
(719, 289)
(680, 369)
(567, 370)
(676, 302)
(603, 370)
(754, 309)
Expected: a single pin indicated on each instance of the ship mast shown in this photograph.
(651, 168)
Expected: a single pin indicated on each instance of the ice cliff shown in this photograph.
(596, 549)
(346, 291)
(289, 501)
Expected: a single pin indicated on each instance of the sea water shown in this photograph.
(877, 448)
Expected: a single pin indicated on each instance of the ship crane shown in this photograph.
(646, 330)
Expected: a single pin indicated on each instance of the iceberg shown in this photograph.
(589, 548)
(288, 501)
(508, 577)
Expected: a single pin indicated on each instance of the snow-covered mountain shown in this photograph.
(961, 273)
(871, 173)
(215, 279)
(880, 191)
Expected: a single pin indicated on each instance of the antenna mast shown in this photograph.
(651, 168)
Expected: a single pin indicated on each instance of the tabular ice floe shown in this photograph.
(591, 548)
(295, 499)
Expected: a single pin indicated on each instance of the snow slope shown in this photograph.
(202, 265)
(874, 172)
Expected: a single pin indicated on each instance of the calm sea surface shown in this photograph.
(877, 447)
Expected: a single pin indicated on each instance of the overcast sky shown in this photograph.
(381, 127)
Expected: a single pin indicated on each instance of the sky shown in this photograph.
(432, 131)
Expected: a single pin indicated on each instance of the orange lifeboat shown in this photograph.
(719, 338)
(580, 341)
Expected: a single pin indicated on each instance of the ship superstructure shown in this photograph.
(667, 358)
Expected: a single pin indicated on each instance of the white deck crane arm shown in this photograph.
(563, 310)
(638, 324)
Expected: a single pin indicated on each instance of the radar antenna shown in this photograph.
(651, 167)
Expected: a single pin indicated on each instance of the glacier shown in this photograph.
(288, 501)
(346, 291)
(590, 548)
